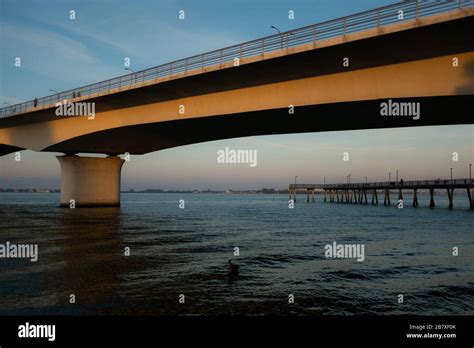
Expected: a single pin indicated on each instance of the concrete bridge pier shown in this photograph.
(90, 181)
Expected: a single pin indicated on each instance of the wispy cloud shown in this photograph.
(50, 54)
(9, 100)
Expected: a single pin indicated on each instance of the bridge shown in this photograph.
(357, 192)
(329, 76)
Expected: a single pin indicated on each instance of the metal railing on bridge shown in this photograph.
(376, 18)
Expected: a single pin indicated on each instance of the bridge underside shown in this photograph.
(145, 138)
(6, 149)
(253, 98)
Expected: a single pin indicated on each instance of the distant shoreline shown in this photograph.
(207, 191)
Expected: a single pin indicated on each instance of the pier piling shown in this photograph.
(469, 196)
(386, 199)
(450, 197)
(415, 197)
(432, 202)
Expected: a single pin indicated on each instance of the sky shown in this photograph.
(59, 53)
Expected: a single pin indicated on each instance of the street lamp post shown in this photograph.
(451, 175)
(396, 180)
(470, 167)
(53, 90)
(279, 32)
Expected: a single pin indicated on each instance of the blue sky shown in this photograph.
(59, 53)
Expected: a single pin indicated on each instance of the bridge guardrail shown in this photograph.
(376, 18)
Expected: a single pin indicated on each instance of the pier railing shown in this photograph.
(376, 18)
(437, 183)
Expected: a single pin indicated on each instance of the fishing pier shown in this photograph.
(357, 193)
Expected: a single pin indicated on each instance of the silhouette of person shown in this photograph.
(232, 270)
(35, 102)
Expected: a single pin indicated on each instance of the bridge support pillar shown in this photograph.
(90, 181)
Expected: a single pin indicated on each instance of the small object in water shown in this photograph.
(232, 270)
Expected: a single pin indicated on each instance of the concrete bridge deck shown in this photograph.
(380, 21)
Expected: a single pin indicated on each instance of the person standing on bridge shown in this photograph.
(35, 102)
